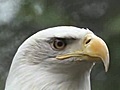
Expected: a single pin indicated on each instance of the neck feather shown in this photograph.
(67, 77)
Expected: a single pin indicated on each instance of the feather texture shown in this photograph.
(35, 68)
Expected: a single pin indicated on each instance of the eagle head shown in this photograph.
(58, 58)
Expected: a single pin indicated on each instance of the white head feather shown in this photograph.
(34, 66)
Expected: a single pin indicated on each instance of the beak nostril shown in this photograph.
(88, 41)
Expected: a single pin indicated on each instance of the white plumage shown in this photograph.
(38, 66)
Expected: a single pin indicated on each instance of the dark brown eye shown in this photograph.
(58, 44)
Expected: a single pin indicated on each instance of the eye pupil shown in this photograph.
(59, 44)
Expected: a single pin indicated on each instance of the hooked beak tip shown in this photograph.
(98, 48)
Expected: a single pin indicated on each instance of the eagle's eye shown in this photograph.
(58, 44)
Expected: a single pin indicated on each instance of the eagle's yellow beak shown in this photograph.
(93, 48)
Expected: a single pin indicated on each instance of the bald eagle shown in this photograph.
(58, 58)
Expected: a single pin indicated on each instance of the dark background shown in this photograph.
(19, 19)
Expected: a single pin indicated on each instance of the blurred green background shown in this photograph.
(19, 19)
